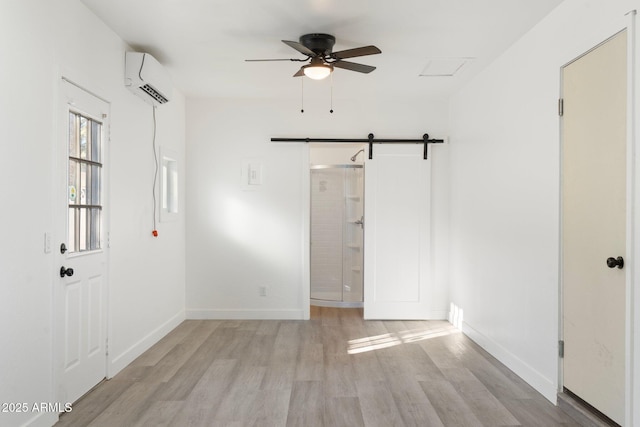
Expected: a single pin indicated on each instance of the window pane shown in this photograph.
(94, 235)
(87, 190)
(74, 176)
(173, 189)
(95, 184)
(83, 183)
(83, 230)
(95, 141)
(165, 187)
(73, 135)
(72, 230)
(84, 147)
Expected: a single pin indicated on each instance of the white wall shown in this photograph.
(39, 41)
(337, 154)
(238, 240)
(505, 190)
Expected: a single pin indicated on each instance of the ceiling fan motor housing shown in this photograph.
(321, 44)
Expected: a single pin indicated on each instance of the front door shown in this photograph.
(594, 226)
(81, 312)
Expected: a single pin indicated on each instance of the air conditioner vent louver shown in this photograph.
(154, 93)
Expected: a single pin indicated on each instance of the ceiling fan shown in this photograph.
(318, 50)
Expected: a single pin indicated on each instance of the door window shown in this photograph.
(85, 183)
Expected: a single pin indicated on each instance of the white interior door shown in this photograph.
(594, 226)
(396, 233)
(81, 312)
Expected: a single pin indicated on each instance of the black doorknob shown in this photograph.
(615, 262)
(66, 271)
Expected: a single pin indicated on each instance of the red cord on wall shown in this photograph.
(155, 233)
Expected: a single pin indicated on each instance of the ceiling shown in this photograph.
(203, 43)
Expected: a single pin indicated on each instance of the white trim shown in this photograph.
(53, 293)
(167, 154)
(306, 234)
(246, 314)
(632, 240)
(79, 86)
(438, 315)
(428, 315)
(43, 419)
(534, 378)
(129, 355)
(560, 378)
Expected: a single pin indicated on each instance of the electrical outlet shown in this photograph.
(263, 291)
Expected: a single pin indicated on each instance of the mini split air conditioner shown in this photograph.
(145, 77)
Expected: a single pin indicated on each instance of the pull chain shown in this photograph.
(331, 110)
(302, 95)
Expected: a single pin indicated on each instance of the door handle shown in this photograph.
(615, 262)
(66, 271)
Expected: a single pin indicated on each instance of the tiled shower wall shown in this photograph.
(336, 238)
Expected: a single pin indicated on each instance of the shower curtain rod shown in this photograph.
(370, 140)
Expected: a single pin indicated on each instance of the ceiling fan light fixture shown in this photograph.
(317, 71)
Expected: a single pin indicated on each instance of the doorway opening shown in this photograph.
(337, 227)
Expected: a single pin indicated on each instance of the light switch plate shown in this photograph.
(252, 174)
(255, 173)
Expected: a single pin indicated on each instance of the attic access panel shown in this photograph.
(443, 67)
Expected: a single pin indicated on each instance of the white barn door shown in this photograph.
(397, 233)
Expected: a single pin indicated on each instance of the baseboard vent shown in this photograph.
(585, 414)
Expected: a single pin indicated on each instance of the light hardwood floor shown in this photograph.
(333, 370)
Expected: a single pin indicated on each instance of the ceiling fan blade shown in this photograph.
(299, 47)
(352, 66)
(359, 51)
(265, 60)
(300, 73)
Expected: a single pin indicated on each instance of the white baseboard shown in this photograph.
(438, 315)
(43, 419)
(120, 361)
(245, 314)
(393, 315)
(535, 379)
